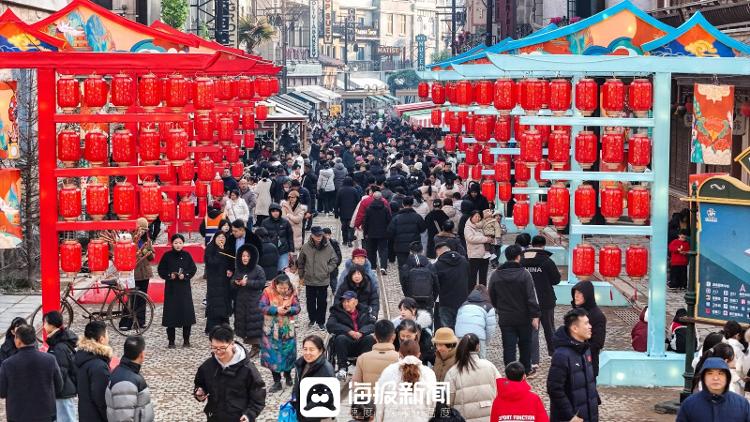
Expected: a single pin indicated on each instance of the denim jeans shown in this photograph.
(66, 410)
(517, 336)
(283, 261)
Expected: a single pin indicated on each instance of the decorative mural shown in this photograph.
(8, 118)
(696, 38)
(16, 36)
(11, 234)
(713, 114)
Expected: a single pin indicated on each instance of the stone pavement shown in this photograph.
(12, 306)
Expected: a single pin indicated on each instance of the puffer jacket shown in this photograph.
(452, 214)
(367, 293)
(325, 180)
(476, 316)
(62, 345)
(248, 320)
(263, 193)
(452, 240)
(370, 365)
(406, 227)
(597, 319)
(475, 240)
(295, 218)
(269, 259)
(127, 396)
(473, 390)
(348, 265)
(316, 263)
(280, 230)
(339, 173)
(422, 406)
(92, 363)
(512, 294)
(571, 383)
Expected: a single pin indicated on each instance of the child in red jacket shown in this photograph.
(514, 400)
(678, 261)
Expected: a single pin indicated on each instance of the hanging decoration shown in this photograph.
(713, 114)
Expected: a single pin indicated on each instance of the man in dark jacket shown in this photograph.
(241, 235)
(92, 363)
(571, 384)
(405, 227)
(229, 381)
(29, 381)
(476, 198)
(512, 294)
(714, 403)
(583, 297)
(279, 228)
(375, 230)
(127, 396)
(452, 271)
(351, 324)
(543, 270)
(420, 281)
(347, 199)
(434, 222)
(62, 345)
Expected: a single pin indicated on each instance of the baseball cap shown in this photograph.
(359, 252)
(348, 295)
(316, 231)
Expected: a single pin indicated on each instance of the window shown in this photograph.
(361, 53)
(403, 24)
(389, 24)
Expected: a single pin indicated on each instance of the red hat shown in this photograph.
(359, 252)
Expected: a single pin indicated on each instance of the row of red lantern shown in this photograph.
(534, 94)
(610, 261)
(175, 91)
(125, 256)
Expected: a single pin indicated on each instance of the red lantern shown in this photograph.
(122, 95)
(177, 146)
(502, 170)
(69, 203)
(518, 128)
(584, 259)
(558, 199)
(176, 94)
(502, 130)
(523, 173)
(186, 210)
(482, 129)
(463, 93)
(95, 92)
(203, 205)
(123, 147)
(472, 155)
(449, 143)
(559, 101)
(423, 90)
(203, 94)
(611, 205)
(232, 154)
(70, 256)
(531, 147)
(226, 130)
(541, 215)
(450, 92)
(96, 149)
(476, 172)
(274, 82)
(636, 262)
(124, 200)
(150, 200)
(462, 170)
(454, 124)
(217, 187)
(125, 255)
(204, 129)
(639, 204)
(640, 97)
(504, 191)
(436, 117)
(250, 140)
(505, 98)
(97, 200)
(586, 151)
(168, 212)
(263, 87)
(201, 189)
(245, 88)
(206, 169)
(587, 96)
(532, 95)
(488, 190)
(462, 146)
(186, 172)
(68, 147)
(613, 150)
(559, 149)
(217, 156)
(68, 93)
(585, 203)
(545, 93)
(521, 214)
(149, 92)
(261, 112)
(149, 146)
(223, 88)
(613, 97)
(484, 93)
(610, 262)
(237, 169)
(170, 176)
(639, 151)
(98, 256)
(469, 119)
(438, 93)
(543, 165)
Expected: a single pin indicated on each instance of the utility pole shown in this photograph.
(490, 19)
(453, 27)
(284, 78)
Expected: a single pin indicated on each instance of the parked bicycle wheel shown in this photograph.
(131, 312)
(37, 318)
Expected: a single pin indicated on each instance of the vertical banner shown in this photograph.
(328, 21)
(713, 116)
(421, 40)
(11, 234)
(8, 123)
(314, 27)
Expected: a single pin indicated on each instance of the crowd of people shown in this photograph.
(399, 202)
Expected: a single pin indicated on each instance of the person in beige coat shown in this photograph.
(370, 365)
(475, 241)
(294, 212)
(445, 352)
(472, 381)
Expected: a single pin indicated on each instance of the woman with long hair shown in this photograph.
(312, 363)
(248, 281)
(710, 341)
(294, 212)
(8, 347)
(414, 404)
(408, 329)
(177, 268)
(278, 352)
(471, 381)
(475, 241)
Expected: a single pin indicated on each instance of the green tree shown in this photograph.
(439, 56)
(253, 33)
(174, 13)
(403, 79)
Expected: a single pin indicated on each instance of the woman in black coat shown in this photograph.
(177, 268)
(313, 363)
(249, 282)
(269, 255)
(219, 269)
(8, 347)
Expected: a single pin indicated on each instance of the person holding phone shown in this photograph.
(177, 268)
(279, 305)
(248, 282)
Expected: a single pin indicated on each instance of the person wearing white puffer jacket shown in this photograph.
(415, 404)
(472, 381)
(477, 316)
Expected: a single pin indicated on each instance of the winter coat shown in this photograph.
(475, 240)
(319, 368)
(218, 295)
(364, 205)
(315, 263)
(370, 365)
(347, 199)
(269, 259)
(639, 333)
(452, 271)
(409, 280)
(596, 318)
(426, 348)
(8, 347)
(127, 396)
(143, 270)
(512, 294)
(279, 346)
(233, 391)
(444, 363)
(366, 290)
(423, 318)
(545, 274)
(263, 193)
(405, 227)
(515, 401)
(422, 405)
(295, 217)
(479, 201)
(339, 173)
(237, 210)
(376, 220)
(348, 265)
(325, 180)
(178, 295)
(704, 406)
(62, 345)
(571, 383)
(473, 390)
(248, 320)
(434, 221)
(340, 323)
(452, 240)
(280, 230)
(452, 214)
(476, 316)
(250, 199)
(92, 365)
(466, 208)
(29, 382)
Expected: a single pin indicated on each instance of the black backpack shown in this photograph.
(420, 284)
(678, 340)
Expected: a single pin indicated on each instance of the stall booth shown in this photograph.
(568, 130)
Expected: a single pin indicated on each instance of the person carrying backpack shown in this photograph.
(420, 281)
(678, 333)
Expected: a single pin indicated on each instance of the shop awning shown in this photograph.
(366, 83)
(404, 108)
(418, 118)
(291, 103)
(319, 92)
(304, 97)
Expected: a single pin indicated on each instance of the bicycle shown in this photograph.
(121, 307)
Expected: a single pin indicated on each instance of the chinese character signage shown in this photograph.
(314, 23)
(328, 21)
(713, 116)
(421, 39)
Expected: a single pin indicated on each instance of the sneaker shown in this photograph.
(321, 327)
(486, 255)
(492, 256)
(275, 388)
(341, 374)
(383, 271)
(204, 302)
